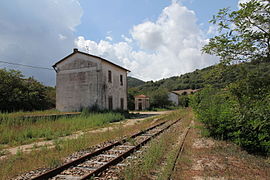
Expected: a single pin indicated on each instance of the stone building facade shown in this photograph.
(141, 102)
(84, 80)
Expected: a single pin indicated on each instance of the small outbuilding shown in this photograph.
(142, 102)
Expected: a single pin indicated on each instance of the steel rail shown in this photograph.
(58, 170)
(126, 154)
(179, 152)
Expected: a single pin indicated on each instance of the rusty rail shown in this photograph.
(80, 160)
(122, 156)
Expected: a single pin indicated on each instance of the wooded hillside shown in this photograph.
(217, 76)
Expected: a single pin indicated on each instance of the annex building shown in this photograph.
(142, 102)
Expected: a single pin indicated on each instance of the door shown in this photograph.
(140, 106)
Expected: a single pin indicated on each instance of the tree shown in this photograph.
(244, 35)
(10, 89)
(19, 93)
(160, 99)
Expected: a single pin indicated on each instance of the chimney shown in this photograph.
(75, 50)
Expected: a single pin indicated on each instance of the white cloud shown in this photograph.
(167, 47)
(37, 33)
(109, 38)
(129, 40)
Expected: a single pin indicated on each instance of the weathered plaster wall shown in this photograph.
(77, 83)
(82, 81)
(114, 88)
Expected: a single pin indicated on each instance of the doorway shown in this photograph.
(140, 106)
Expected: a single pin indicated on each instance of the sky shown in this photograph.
(154, 39)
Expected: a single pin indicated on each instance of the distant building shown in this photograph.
(174, 98)
(185, 91)
(84, 80)
(141, 102)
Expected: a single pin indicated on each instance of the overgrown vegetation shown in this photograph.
(219, 76)
(158, 159)
(50, 157)
(20, 93)
(17, 130)
(240, 111)
(205, 158)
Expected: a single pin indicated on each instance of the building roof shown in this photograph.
(188, 91)
(77, 51)
(173, 92)
(141, 96)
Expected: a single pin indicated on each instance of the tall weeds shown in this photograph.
(16, 130)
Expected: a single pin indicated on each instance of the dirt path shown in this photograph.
(50, 143)
(205, 158)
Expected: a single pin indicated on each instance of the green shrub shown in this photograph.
(215, 108)
(240, 113)
(253, 97)
(184, 100)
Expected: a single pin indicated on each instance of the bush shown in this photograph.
(240, 113)
(215, 108)
(184, 100)
(19, 93)
(253, 98)
(159, 99)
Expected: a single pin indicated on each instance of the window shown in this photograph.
(110, 103)
(109, 76)
(122, 103)
(121, 80)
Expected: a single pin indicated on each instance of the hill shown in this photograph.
(218, 76)
(134, 82)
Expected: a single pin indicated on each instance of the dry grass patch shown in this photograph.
(157, 160)
(51, 157)
(205, 158)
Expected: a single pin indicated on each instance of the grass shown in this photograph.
(160, 150)
(16, 131)
(148, 161)
(47, 157)
(167, 170)
(28, 113)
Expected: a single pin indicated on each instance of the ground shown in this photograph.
(50, 143)
(207, 159)
(202, 158)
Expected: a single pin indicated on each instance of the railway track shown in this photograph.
(93, 164)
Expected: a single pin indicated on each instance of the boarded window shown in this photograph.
(121, 80)
(110, 100)
(122, 103)
(109, 76)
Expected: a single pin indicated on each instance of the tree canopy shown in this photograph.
(244, 35)
(19, 93)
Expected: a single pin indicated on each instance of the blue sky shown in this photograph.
(122, 15)
(155, 39)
